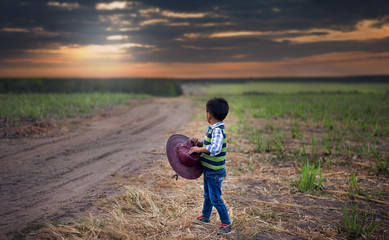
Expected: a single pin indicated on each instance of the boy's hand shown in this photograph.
(198, 150)
(196, 142)
(193, 150)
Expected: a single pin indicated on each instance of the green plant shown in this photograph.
(314, 146)
(271, 127)
(347, 148)
(302, 150)
(328, 122)
(327, 145)
(233, 128)
(296, 130)
(354, 187)
(354, 225)
(365, 149)
(277, 143)
(377, 131)
(267, 145)
(310, 178)
(259, 146)
(251, 166)
(22, 234)
(382, 166)
(257, 140)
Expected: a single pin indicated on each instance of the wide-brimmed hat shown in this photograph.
(184, 164)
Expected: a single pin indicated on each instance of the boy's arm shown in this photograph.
(216, 144)
(198, 150)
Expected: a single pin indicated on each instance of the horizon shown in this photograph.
(215, 78)
(186, 40)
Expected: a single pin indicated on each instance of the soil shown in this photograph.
(58, 178)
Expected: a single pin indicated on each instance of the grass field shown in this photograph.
(16, 107)
(299, 166)
(20, 112)
(354, 114)
(333, 148)
(285, 88)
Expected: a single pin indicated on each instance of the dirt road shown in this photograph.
(58, 178)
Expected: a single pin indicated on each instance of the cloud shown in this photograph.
(116, 19)
(15, 30)
(35, 31)
(65, 5)
(113, 5)
(194, 32)
(117, 37)
(235, 34)
(172, 14)
(88, 50)
(129, 29)
(153, 22)
(364, 30)
(149, 12)
(77, 54)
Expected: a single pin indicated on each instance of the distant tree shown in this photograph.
(157, 87)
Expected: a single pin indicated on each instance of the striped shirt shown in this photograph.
(217, 139)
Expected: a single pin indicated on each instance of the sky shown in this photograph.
(193, 39)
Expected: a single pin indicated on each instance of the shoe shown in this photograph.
(224, 228)
(202, 219)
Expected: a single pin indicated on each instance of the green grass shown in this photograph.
(359, 116)
(355, 188)
(17, 107)
(277, 144)
(22, 234)
(354, 224)
(310, 178)
(319, 128)
(282, 88)
(383, 165)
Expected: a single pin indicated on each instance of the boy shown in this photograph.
(213, 157)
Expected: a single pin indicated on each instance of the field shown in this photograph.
(300, 166)
(18, 111)
(295, 87)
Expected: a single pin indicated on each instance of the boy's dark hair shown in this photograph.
(218, 107)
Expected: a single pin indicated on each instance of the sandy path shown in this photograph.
(57, 178)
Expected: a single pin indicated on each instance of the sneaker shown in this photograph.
(224, 228)
(202, 219)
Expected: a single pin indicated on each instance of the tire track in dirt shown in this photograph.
(57, 178)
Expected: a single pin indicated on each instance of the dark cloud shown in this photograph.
(187, 6)
(32, 24)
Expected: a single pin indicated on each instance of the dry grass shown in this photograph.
(261, 201)
(151, 205)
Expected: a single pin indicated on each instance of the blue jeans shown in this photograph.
(212, 194)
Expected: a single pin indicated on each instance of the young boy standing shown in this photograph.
(213, 158)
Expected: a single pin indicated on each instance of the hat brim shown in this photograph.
(192, 172)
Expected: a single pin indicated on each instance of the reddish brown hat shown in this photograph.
(186, 165)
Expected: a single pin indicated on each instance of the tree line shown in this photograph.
(156, 87)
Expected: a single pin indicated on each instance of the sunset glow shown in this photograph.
(135, 39)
